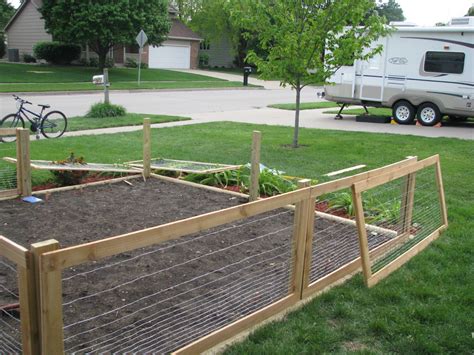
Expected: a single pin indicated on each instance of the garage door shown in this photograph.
(170, 57)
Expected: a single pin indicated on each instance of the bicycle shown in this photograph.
(51, 125)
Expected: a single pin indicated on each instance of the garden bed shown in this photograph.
(163, 297)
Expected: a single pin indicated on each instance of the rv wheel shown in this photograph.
(428, 114)
(403, 112)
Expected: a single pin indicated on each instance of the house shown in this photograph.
(219, 52)
(179, 51)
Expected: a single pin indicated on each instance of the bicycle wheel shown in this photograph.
(54, 124)
(11, 121)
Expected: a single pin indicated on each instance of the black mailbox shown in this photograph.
(247, 71)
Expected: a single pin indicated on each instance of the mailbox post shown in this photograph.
(103, 80)
(247, 71)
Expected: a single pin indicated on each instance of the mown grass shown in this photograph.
(427, 306)
(305, 105)
(132, 119)
(44, 78)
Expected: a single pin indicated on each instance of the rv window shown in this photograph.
(444, 62)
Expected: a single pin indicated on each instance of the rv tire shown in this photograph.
(403, 112)
(428, 114)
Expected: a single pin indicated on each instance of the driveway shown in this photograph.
(244, 105)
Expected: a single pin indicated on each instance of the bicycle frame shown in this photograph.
(22, 113)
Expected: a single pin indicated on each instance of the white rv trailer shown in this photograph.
(422, 72)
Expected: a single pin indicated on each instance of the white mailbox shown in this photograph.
(98, 79)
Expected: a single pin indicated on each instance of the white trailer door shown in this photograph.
(170, 57)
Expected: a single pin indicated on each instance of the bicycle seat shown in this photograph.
(44, 106)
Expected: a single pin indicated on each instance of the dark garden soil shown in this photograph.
(161, 298)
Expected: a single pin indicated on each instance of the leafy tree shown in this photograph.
(470, 12)
(308, 40)
(6, 12)
(102, 24)
(391, 10)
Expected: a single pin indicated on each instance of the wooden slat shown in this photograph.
(235, 328)
(402, 259)
(385, 178)
(308, 251)
(36, 164)
(146, 147)
(300, 230)
(442, 198)
(342, 171)
(23, 138)
(7, 131)
(408, 199)
(8, 193)
(347, 182)
(362, 233)
(78, 187)
(29, 308)
(13, 252)
(199, 186)
(50, 298)
(254, 192)
(111, 246)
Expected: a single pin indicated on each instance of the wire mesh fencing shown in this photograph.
(8, 173)
(161, 298)
(10, 323)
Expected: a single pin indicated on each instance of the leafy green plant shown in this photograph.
(69, 177)
(342, 200)
(106, 110)
(378, 212)
(270, 183)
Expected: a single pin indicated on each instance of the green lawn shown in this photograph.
(38, 78)
(426, 307)
(131, 119)
(305, 105)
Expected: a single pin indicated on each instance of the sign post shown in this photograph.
(141, 39)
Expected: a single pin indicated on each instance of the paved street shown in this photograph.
(238, 105)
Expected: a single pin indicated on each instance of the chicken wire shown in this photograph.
(8, 179)
(10, 327)
(426, 215)
(335, 235)
(162, 298)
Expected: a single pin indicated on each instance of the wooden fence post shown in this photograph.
(254, 192)
(308, 251)
(23, 161)
(29, 307)
(300, 230)
(408, 199)
(362, 232)
(50, 301)
(146, 148)
(442, 198)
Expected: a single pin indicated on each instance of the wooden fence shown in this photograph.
(42, 282)
(23, 167)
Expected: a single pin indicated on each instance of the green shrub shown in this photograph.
(132, 63)
(57, 52)
(100, 110)
(3, 47)
(28, 58)
(203, 60)
(94, 62)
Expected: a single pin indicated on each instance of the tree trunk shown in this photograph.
(297, 116)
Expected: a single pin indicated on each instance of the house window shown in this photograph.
(205, 45)
(444, 62)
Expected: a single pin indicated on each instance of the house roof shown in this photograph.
(180, 31)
